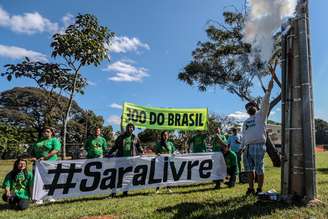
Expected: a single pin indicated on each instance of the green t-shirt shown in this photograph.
(44, 146)
(127, 143)
(96, 147)
(20, 186)
(198, 143)
(216, 144)
(169, 148)
(231, 159)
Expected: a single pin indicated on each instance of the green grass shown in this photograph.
(197, 201)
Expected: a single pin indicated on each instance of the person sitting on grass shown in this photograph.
(96, 146)
(18, 185)
(231, 161)
(165, 146)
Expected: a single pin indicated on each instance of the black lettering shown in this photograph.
(177, 119)
(134, 115)
(201, 120)
(191, 164)
(160, 119)
(142, 117)
(170, 119)
(166, 164)
(191, 119)
(205, 165)
(108, 182)
(152, 119)
(196, 119)
(152, 180)
(95, 175)
(139, 178)
(185, 119)
(121, 172)
(176, 176)
(129, 114)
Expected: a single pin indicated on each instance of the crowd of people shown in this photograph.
(18, 183)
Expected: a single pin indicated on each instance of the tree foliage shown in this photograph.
(321, 135)
(225, 60)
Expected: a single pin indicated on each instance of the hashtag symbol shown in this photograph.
(65, 186)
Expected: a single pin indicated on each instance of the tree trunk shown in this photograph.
(69, 106)
(273, 152)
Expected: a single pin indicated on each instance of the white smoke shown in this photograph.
(263, 19)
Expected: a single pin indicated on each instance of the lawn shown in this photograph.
(197, 201)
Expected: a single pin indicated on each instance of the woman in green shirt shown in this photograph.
(47, 147)
(165, 147)
(18, 185)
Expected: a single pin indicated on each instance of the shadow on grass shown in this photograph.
(5, 206)
(323, 170)
(224, 209)
(86, 199)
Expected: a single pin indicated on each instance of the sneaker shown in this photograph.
(169, 190)
(157, 190)
(52, 200)
(250, 191)
(39, 202)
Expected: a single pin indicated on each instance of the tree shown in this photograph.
(225, 60)
(321, 134)
(83, 43)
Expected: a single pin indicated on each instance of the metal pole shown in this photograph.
(307, 101)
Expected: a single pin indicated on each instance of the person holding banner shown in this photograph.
(197, 143)
(218, 141)
(231, 161)
(47, 147)
(18, 185)
(126, 145)
(254, 138)
(165, 146)
(96, 146)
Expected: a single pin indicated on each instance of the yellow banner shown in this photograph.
(164, 118)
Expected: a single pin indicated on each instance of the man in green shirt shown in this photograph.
(218, 141)
(18, 185)
(198, 143)
(47, 147)
(96, 146)
(126, 145)
(165, 146)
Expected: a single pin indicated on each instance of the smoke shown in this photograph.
(263, 19)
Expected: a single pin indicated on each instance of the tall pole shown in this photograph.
(307, 99)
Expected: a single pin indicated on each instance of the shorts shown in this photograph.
(253, 158)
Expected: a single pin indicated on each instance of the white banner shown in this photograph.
(71, 178)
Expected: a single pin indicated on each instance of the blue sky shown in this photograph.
(154, 42)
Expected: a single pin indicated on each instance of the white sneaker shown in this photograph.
(52, 200)
(169, 190)
(157, 191)
(39, 202)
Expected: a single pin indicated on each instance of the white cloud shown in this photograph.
(68, 19)
(14, 52)
(240, 116)
(28, 23)
(125, 44)
(114, 119)
(116, 106)
(126, 72)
